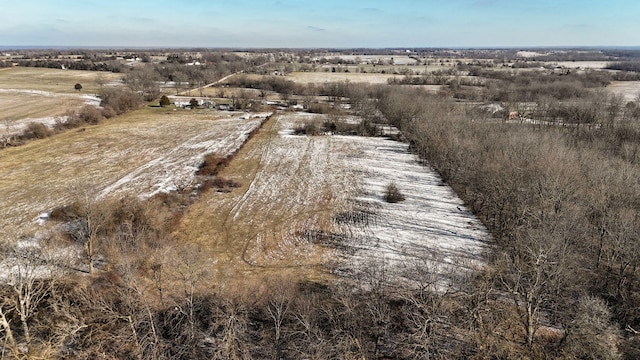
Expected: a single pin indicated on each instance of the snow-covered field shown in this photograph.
(311, 200)
(429, 233)
(290, 186)
(174, 168)
(524, 53)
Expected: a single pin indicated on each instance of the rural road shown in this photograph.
(188, 91)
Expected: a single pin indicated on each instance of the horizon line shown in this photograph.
(510, 47)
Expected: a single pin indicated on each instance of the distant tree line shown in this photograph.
(632, 66)
(111, 66)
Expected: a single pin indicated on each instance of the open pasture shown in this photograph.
(55, 80)
(21, 107)
(629, 90)
(40, 94)
(289, 185)
(296, 191)
(139, 154)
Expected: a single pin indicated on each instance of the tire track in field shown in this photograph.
(267, 126)
(308, 183)
(279, 221)
(263, 178)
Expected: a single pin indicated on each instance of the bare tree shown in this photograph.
(279, 301)
(530, 272)
(309, 96)
(88, 228)
(27, 280)
(28, 289)
(179, 81)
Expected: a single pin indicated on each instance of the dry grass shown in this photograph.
(17, 106)
(53, 80)
(289, 185)
(39, 93)
(139, 153)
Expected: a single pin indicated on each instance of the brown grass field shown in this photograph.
(139, 153)
(290, 185)
(37, 93)
(17, 106)
(54, 80)
(630, 90)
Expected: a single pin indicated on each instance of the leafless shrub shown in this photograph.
(87, 115)
(320, 108)
(311, 128)
(108, 112)
(212, 164)
(120, 100)
(220, 184)
(392, 194)
(592, 335)
(37, 130)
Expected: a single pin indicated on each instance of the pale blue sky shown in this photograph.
(316, 23)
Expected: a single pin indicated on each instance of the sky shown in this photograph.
(319, 23)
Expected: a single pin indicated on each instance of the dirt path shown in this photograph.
(188, 91)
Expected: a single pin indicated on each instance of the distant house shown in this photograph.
(185, 102)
